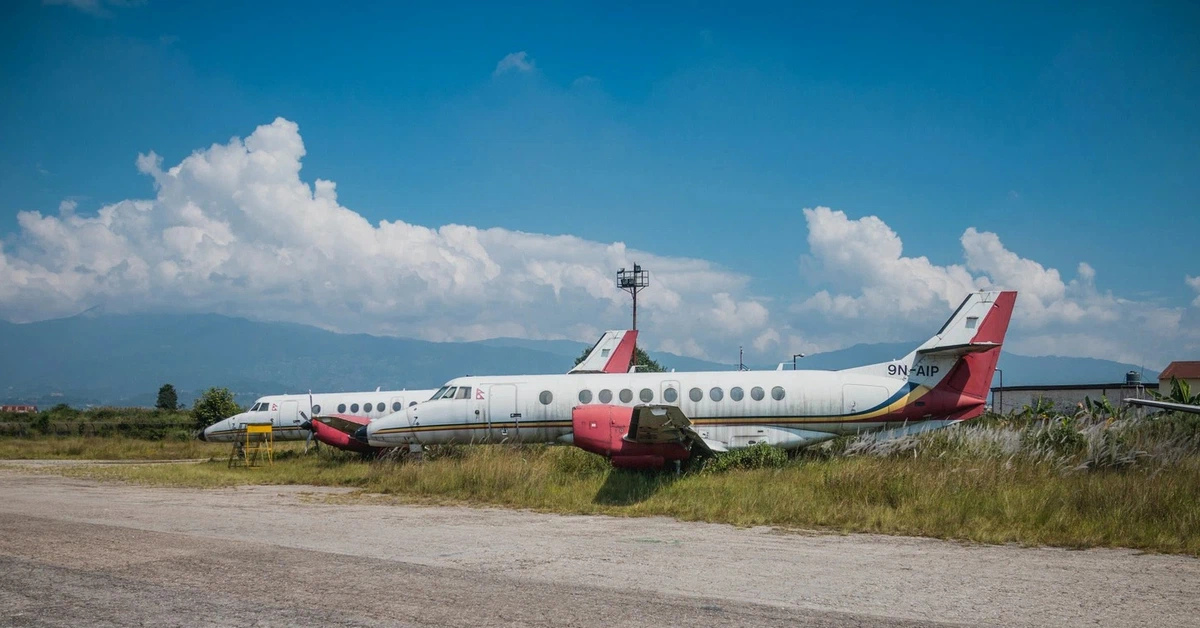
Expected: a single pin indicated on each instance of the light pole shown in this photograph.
(633, 281)
(794, 356)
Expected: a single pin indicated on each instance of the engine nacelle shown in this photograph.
(602, 429)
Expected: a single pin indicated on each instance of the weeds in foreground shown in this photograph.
(1083, 481)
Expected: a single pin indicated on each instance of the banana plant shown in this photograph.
(1181, 392)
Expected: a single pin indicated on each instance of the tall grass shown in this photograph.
(1082, 482)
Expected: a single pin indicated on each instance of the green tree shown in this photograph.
(645, 364)
(167, 398)
(212, 406)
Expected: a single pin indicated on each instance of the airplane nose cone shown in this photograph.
(203, 435)
(360, 434)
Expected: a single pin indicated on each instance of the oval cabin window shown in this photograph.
(735, 393)
(626, 395)
(756, 393)
(585, 396)
(316, 409)
(605, 396)
(354, 407)
(670, 395)
(777, 393)
(546, 397)
(341, 407)
(396, 405)
(695, 394)
(716, 394)
(646, 395)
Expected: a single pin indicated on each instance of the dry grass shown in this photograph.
(983, 499)
(109, 448)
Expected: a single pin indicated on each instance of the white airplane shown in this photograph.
(333, 418)
(287, 414)
(643, 420)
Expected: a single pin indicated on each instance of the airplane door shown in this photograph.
(504, 419)
(288, 415)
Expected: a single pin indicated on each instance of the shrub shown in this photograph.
(760, 456)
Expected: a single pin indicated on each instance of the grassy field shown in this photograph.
(108, 448)
(986, 483)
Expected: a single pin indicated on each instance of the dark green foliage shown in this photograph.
(63, 420)
(212, 406)
(167, 398)
(761, 456)
(1181, 392)
(1060, 436)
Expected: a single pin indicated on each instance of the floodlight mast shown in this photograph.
(633, 281)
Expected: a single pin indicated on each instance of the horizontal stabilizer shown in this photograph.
(613, 353)
(963, 349)
(1165, 405)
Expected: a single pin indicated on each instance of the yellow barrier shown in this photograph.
(260, 440)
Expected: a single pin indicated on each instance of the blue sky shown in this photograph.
(701, 132)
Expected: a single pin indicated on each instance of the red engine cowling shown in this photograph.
(602, 429)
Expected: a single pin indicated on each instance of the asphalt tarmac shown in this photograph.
(78, 552)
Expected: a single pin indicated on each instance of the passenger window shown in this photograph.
(626, 395)
(756, 393)
(716, 394)
(670, 395)
(546, 397)
(316, 409)
(777, 393)
(354, 407)
(396, 405)
(605, 396)
(585, 396)
(696, 394)
(367, 407)
(412, 403)
(646, 395)
(464, 392)
(379, 406)
(341, 408)
(735, 393)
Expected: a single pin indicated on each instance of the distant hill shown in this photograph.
(123, 359)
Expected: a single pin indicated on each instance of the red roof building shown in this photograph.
(19, 409)
(1183, 371)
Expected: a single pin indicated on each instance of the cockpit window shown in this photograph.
(450, 392)
(254, 408)
(438, 394)
(464, 392)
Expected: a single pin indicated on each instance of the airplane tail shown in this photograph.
(613, 353)
(956, 365)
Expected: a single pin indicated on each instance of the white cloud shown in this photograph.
(514, 62)
(896, 296)
(233, 228)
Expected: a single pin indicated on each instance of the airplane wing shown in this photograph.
(653, 425)
(613, 353)
(1165, 405)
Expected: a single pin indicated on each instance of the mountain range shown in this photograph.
(107, 359)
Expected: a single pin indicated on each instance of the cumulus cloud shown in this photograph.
(235, 229)
(514, 62)
(899, 295)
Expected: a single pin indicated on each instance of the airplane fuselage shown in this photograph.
(742, 408)
(287, 413)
